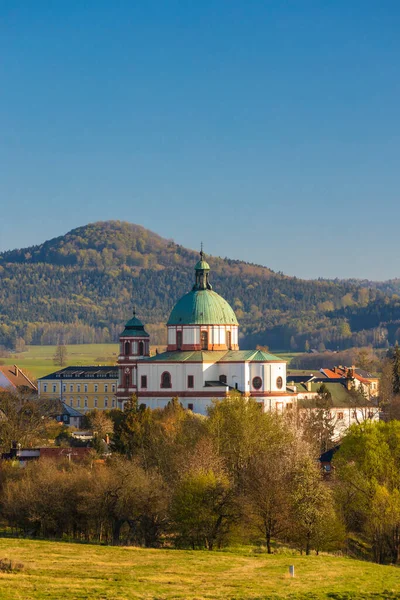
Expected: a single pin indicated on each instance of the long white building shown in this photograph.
(203, 360)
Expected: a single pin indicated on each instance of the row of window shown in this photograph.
(106, 388)
(96, 403)
(166, 381)
(203, 340)
(128, 347)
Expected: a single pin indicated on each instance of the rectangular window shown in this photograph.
(106, 402)
(190, 406)
(190, 381)
(54, 388)
(64, 387)
(86, 402)
(113, 402)
(143, 381)
(78, 387)
(179, 340)
(340, 416)
(71, 387)
(85, 387)
(106, 387)
(113, 387)
(289, 405)
(45, 387)
(95, 402)
(96, 387)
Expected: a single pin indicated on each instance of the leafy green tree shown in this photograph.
(202, 509)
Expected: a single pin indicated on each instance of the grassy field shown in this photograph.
(38, 360)
(73, 571)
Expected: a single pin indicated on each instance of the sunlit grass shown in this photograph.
(60, 570)
(38, 360)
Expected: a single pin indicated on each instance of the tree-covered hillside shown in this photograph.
(81, 287)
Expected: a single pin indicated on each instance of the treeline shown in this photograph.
(81, 287)
(178, 479)
(173, 478)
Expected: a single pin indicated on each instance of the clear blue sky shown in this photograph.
(269, 130)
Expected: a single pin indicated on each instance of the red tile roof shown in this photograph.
(16, 377)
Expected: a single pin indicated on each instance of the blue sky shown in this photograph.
(269, 130)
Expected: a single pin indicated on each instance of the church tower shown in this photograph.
(134, 345)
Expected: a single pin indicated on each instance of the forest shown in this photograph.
(81, 287)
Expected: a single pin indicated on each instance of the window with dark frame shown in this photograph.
(166, 380)
(143, 381)
(257, 383)
(179, 340)
(229, 340)
(190, 406)
(204, 340)
(141, 349)
(190, 381)
(223, 378)
(127, 348)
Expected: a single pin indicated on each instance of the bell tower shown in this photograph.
(134, 345)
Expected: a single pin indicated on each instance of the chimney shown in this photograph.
(16, 370)
(308, 386)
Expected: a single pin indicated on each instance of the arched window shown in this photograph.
(166, 380)
(222, 378)
(229, 340)
(179, 340)
(257, 383)
(204, 340)
(127, 348)
(279, 383)
(141, 349)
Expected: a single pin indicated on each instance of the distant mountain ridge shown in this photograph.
(80, 287)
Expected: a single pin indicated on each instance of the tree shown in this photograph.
(266, 496)
(368, 473)
(24, 419)
(310, 501)
(396, 370)
(60, 355)
(239, 429)
(202, 509)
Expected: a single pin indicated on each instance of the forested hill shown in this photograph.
(81, 287)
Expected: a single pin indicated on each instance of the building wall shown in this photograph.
(83, 394)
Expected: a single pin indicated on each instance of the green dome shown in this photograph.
(202, 265)
(202, 307)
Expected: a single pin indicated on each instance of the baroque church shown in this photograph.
(202, 361)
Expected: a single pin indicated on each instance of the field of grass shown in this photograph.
(58, 570)
(38, 360)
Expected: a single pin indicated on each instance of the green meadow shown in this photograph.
(58, 570)
(38, 360)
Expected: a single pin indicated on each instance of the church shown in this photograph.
(202, 361)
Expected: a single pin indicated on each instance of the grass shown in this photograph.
(58, 570)
(38, 360)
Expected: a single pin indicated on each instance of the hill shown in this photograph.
(73, 571)
(81, 287)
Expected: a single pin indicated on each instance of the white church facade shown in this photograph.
(202, 360)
